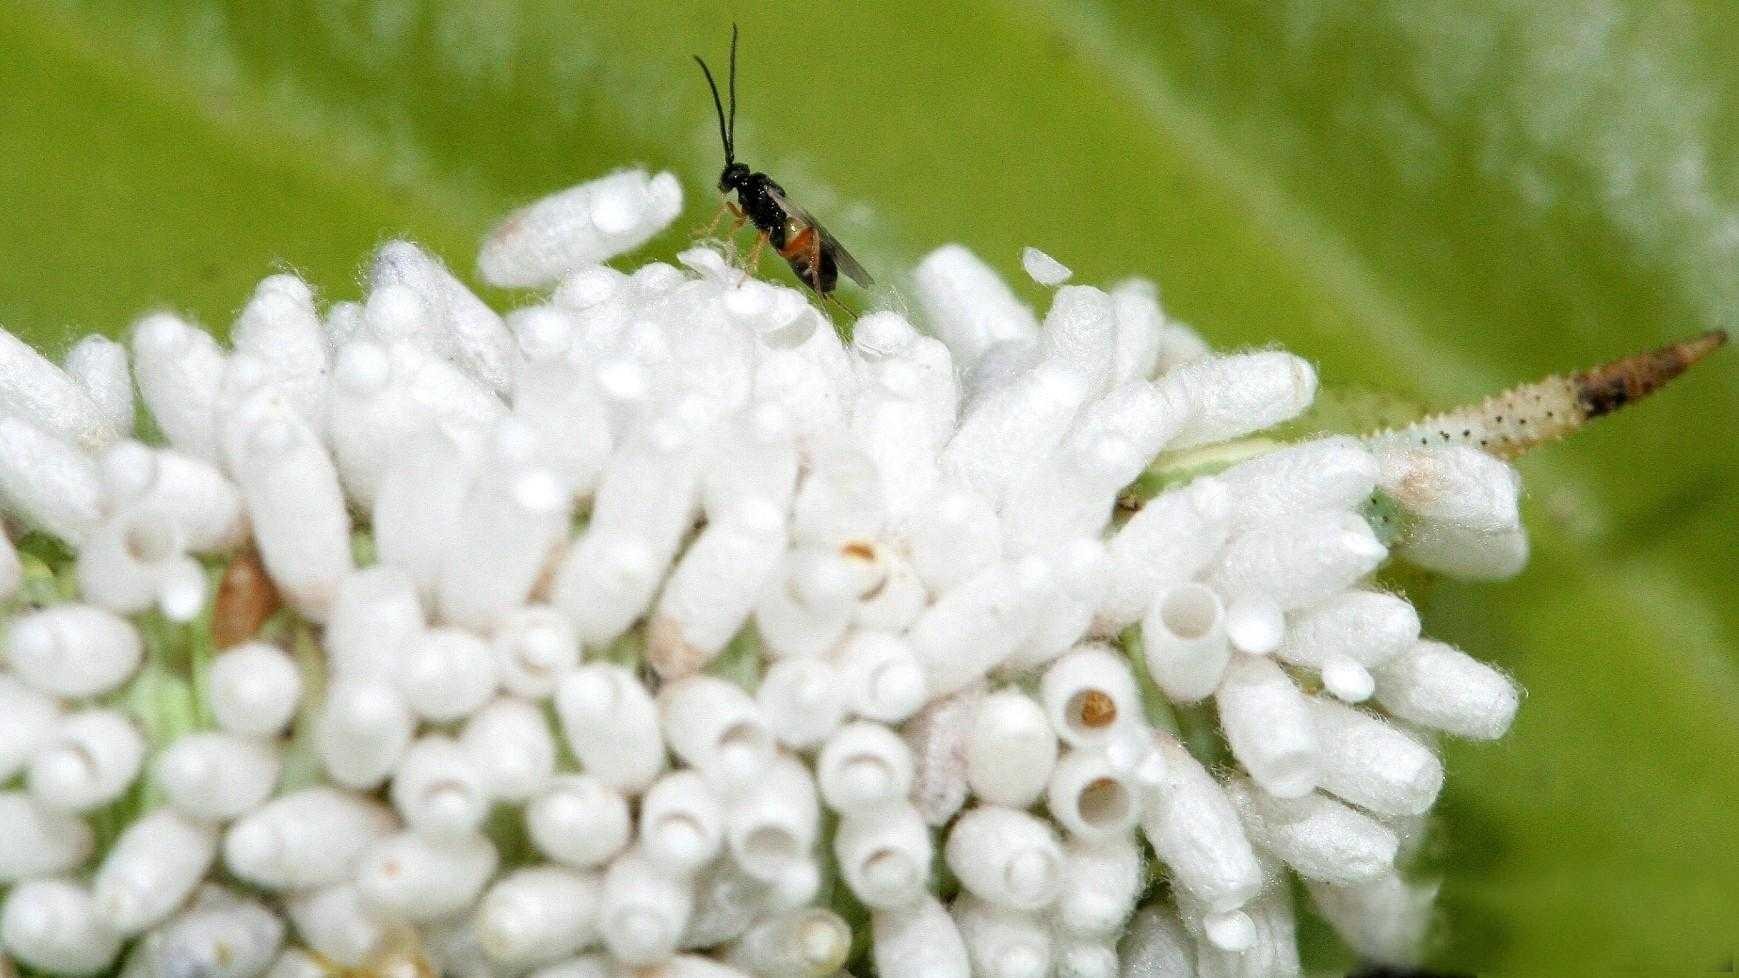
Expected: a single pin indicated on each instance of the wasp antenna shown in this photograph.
(718, 107)
(733, 127)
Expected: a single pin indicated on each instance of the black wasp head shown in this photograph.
(734, 177)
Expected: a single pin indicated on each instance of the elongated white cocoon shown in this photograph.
(279, 330)
(446, 674)
(1000, 366)
(605, 583)
(968, 305)
(1184, 641)
(714, 588)
(682, 822)
(1011, 429)
(98, 365)
(47, 481)
(713, 725)
(1140, 328)
(342, 323)
(153, 867)
(612, 725)
(807, 605)
(881, 676)
(412, 877)
(773, 823)
(1169, 541)
(579, 821)
(754, 459)
(803, 701)
(1437, 685)
(1371, 763)
(951, 536)
(72, 650)
(204, 504)
(335, 923)
(1141, 415)
(898, 600)
(1088, 694)
(579, 227)
(11, 568)
(919, 940)
(569, 414)
(863, 766)
(179, 369)
(538, 915)
(361, 731)
(291, 493)
(1383, 919)
(1069, 495)
(1299, 562)
(129, 562)
(1272, 944)
(90, 759)
(1011, 749)
(884, 854)
(438, 790)
(220, 936)
(972, 628)
(1007, 857)
(1081, 575)
(1317, 836)
(514, 515)
(1236, 394)
(1102, 879)
(53, 925)
(805, 943)
(1367, 627)
(1003, 943)
(1157, 946)
(1336, 473)
(254, 688)
(643, 910)
(510, 743)
(1194, 829)
(1465, 554)
(307, 838)
(28, 717)
(217, 775)
(534, 646)
(894, 424)
(416, 512)
(1267, 724)
(1080, 335)
(1454, 485)
(375, 614)
(39, 841)
(33, 389)
(466, 332)
(371, 418)
(839, 497)
(1092, 797)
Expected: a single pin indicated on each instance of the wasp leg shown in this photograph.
(754, 256)
(725, 206)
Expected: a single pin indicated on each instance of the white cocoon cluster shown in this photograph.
(1267, 723)
(509, 743)
(438, 789)
(969, 306)
(612, 725)
(1317, 836)
(1194, 829)
(919, 940)
(1010, 750)
(579, 227)
(34, 389)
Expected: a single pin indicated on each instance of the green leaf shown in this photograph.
(1433, 198)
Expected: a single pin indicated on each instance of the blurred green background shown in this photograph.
(1434, 198)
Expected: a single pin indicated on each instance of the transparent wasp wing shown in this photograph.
(841, 258)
